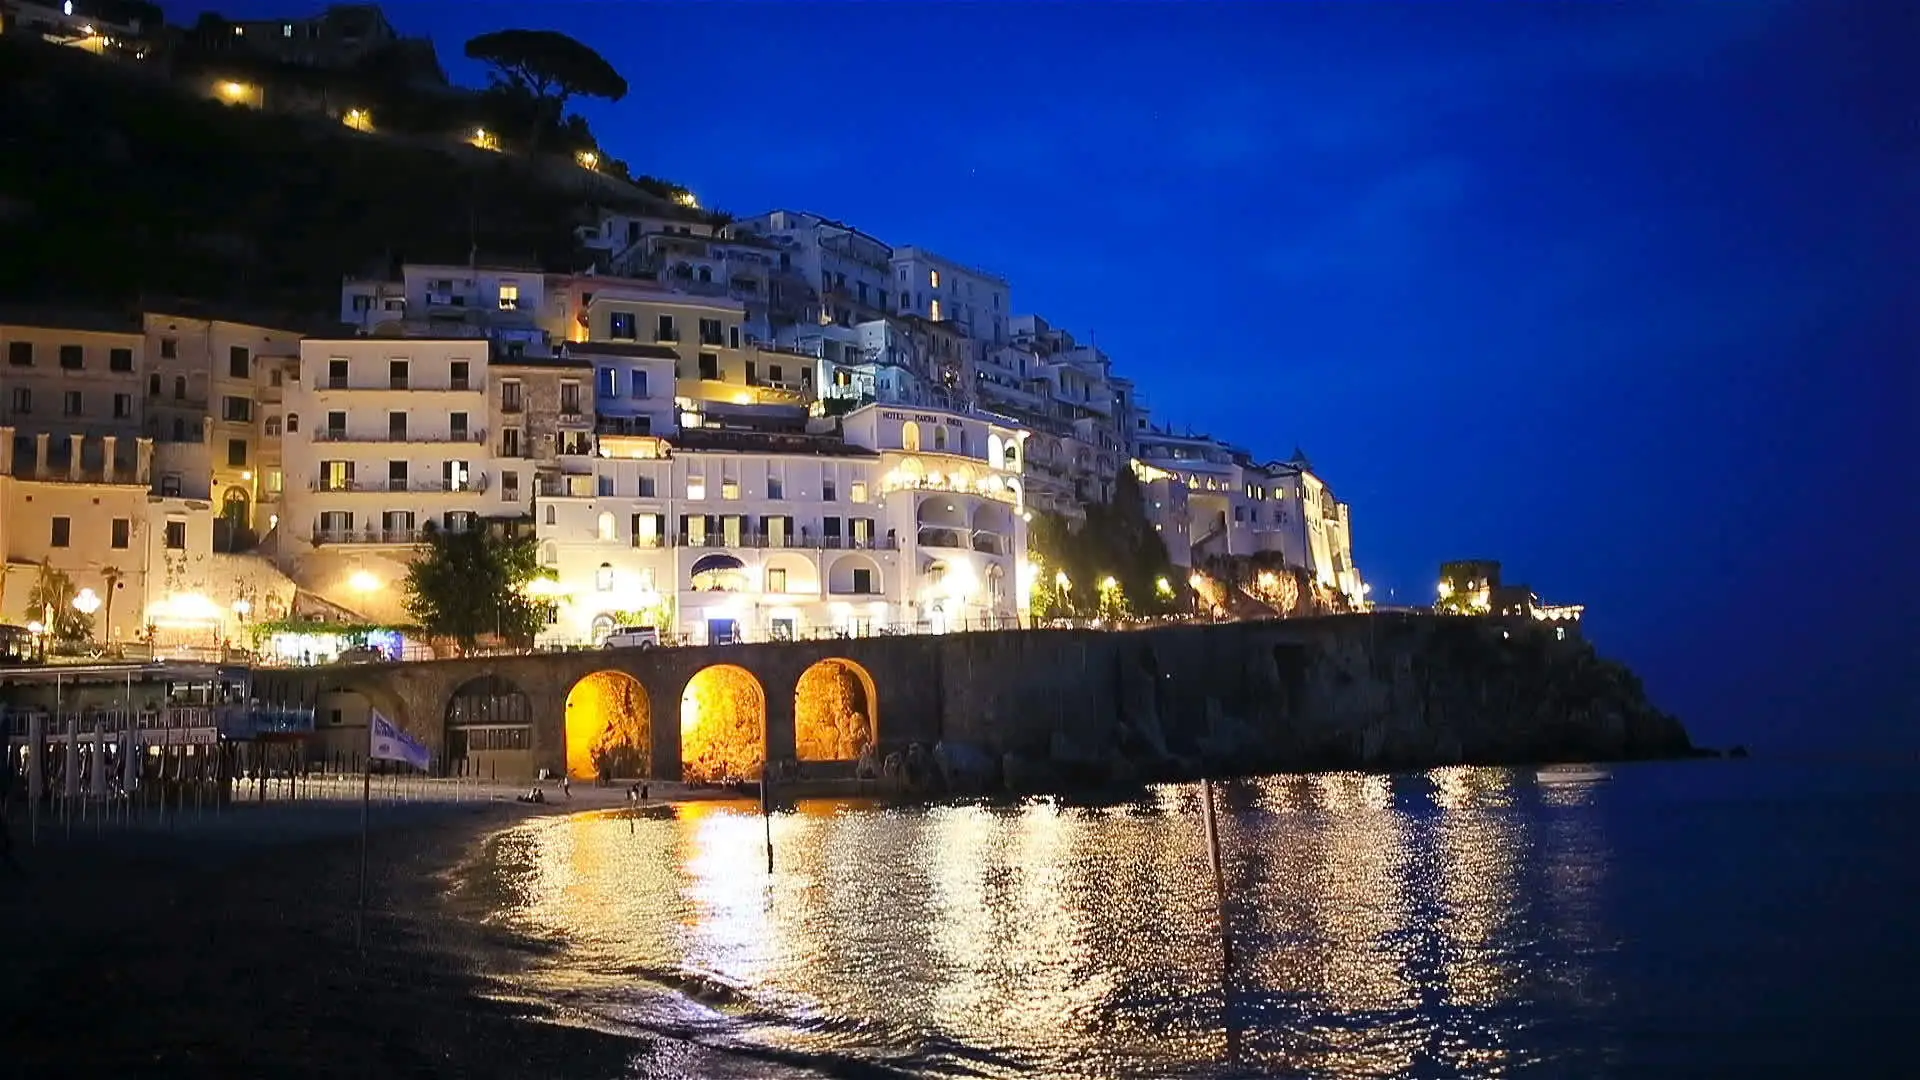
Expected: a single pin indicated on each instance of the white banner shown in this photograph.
(392, 744)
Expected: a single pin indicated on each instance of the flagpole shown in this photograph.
(366, 802)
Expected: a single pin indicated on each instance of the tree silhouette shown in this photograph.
(548, 67)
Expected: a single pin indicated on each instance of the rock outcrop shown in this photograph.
(1385, 694)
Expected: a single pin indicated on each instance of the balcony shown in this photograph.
(474, 484)
(623, 425)
(370, 535)
(573, 418)
(666, 337)
(340, 435)
(801, 542)
(945, 538)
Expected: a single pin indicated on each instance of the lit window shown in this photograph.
(857, 491)
(729, 489)
(696, 487)
(777, 580)
(509, 295)
(933, 279)
(608, 529)
(603, 578)
(934, 311)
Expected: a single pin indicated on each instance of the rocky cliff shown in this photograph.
(1350, 692)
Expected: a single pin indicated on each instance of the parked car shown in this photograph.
(632, 637)
(361, 654)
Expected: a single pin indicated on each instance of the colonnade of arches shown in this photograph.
(608, 723)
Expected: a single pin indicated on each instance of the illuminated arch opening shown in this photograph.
(723, 726)
(609, 727)
(834, 712)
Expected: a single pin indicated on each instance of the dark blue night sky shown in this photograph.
(1622, 295)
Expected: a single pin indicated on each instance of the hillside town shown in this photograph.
(768, 427)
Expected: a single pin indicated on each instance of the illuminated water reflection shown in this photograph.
(1383, 925)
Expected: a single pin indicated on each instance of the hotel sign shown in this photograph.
(922, 418)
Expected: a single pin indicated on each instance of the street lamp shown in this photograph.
(87, 602)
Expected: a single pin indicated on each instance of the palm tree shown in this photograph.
(112, 574)
(52, 595)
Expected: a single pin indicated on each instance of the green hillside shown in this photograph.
(118, 186)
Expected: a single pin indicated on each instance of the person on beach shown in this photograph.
(643, 793)
(566, 785)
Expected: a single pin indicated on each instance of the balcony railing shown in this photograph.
(945, 538)
(801, 542)
(574, 417)
(369, 535)
(341, 435)
(476, 483)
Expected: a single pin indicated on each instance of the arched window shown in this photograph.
(549, 554)
(293, 423)
(940, 438)
(966, 444)
(1011, 460)
(603, 578)
(553, 514)
(993, 450)
(607, 528)
(910, 436)
(273, 425)
(706, 274)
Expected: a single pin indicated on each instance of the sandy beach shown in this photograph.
(225, 947)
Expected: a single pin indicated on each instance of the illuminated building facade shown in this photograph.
(384, 437)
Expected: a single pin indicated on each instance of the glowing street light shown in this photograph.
(363, 582)
(1061, 580)
(588, 159)
(1163, 586)
(87, 602)
(36, 628)
(242, 607)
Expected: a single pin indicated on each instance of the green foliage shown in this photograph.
(547, 64)
(466, 584)
(354, 632)
(51, 600)
(1116, 541)
(545, 68)
(248, 209)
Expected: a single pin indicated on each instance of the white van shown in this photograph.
(632, 637)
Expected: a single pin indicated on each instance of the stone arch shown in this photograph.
(488, 723)
(723, 726)
(910, 436)
(609, 727)
(835, 711)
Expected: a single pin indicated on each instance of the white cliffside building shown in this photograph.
(385, 436)
(906, 521)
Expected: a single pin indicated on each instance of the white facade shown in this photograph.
(746, 537)
(913, 521)
(385, 436)
(942, 290)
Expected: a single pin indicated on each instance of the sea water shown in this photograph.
(1708, 918)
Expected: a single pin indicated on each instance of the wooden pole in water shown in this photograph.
(766, 818)
(1219, 878)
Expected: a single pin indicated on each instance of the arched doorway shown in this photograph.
(835, 712)
(490, 730)
(723, 726)
(609, 727)
(234, 508)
